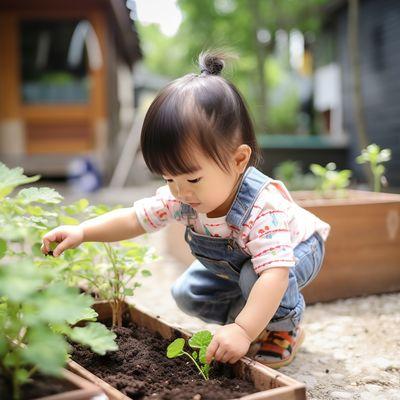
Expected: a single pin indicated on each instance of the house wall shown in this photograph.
(380, 75)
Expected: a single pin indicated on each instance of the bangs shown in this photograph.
(174, 129)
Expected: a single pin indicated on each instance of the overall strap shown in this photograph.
(253, 182)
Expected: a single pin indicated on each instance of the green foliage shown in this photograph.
(290, 173)
(109, 271)
(35, 315)
(38, 308)
(330, 181)
(234, 24)
(11, 178)
(375, 157)
(200, 341)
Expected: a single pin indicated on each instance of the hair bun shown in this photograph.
(211, 63)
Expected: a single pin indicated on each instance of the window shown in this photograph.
(54, 68)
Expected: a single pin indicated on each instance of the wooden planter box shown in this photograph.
(85, 390)
(272, 385)
(362, 252)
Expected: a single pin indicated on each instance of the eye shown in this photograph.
(168, 180)
(194, 180)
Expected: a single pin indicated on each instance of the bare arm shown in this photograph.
(113, 226)
(263, 301)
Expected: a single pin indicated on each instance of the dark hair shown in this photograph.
(197, 111)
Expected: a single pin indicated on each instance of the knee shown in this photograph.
(182, 297)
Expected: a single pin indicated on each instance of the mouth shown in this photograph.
(194, 204)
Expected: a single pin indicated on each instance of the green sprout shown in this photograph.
(200, 341)
(375, 157)
(331, 180)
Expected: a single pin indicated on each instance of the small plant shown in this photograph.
(290, 173)
(36, 315)
(375, 157)
(108, 271)
(200, 341)
(331, 180)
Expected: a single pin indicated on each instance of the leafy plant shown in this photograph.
(375, 157)
(107, 270)
(330, 180)
(200, 341)
(290, 173)
(37, 313)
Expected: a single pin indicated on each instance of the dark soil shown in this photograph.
(141, 370)
(40, 386)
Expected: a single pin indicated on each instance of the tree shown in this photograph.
(249, 27)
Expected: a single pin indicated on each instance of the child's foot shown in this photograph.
(278, 349)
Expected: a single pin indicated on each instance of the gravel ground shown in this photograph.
(352, 346)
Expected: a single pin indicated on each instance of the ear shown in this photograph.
(242, 157)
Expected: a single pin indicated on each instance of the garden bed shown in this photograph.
(68, 387)
(141, 370)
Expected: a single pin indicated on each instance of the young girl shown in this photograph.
(255, 248)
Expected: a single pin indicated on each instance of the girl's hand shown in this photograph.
(229, 343)
(67, 236)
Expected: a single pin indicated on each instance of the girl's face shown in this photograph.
(210, 190)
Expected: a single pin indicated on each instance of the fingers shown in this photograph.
(47, 239)
(61, 247)
(211, 349)
(53, 236)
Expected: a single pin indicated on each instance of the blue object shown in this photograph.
(83, 175)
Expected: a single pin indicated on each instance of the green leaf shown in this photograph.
(200, 339)
(59, 303)
(202, 355)
(21, 375)
(19, 281)
(66, 220)
(45, 349)
(194, 355)
(3, 247)
(85, 314)
(145, 272)
(175, 348)
(128, 292)
(96, 336)
(39, 195)
(11, 178)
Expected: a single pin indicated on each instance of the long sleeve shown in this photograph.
(270, 242)
(156, 212)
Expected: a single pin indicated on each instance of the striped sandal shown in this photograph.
(277, 349)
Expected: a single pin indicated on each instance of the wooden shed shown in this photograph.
(66, 85)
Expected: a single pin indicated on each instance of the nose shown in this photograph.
(183, 193)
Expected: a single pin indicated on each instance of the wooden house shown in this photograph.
(66, 87)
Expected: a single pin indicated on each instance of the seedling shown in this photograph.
(375, 157)
(331, 180)
(290, 173)
(200, 341)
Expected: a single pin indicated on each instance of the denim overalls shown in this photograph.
(215, 287)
